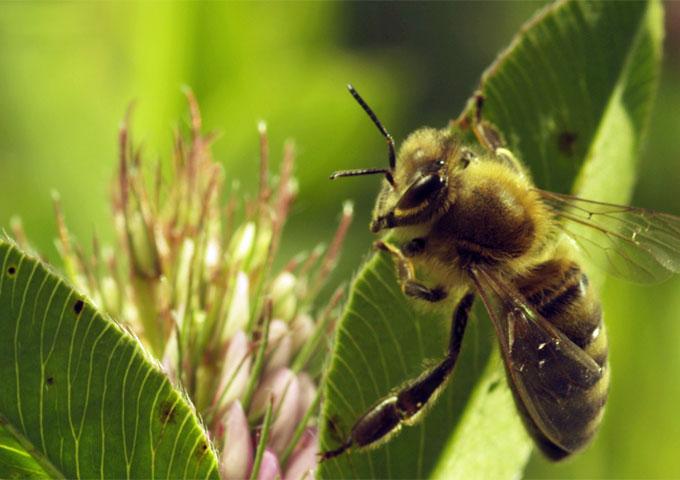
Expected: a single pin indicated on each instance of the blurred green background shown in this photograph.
(68, 72)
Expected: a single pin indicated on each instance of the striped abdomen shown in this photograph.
(567, 399)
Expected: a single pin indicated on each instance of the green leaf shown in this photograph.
(15, 461)
(572, 95)
(79, 396)
(566, 86)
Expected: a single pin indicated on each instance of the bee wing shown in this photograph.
(545, 368)
(631, 243)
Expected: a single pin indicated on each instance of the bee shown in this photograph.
(470, 217)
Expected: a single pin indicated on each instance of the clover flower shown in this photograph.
(191, 275)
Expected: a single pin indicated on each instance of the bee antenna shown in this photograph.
(374, 118)
(364, 171)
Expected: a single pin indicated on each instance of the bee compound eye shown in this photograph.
(422, 190)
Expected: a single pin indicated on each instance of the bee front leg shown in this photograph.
(409, 285)
(402, 408)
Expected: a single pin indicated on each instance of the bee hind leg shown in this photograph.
(409, 285)
(390, 413)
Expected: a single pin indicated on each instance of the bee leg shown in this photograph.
(402, 407)
(487, 135)
(409, 285)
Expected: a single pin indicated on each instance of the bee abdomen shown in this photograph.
(560, 291)
(573, 399)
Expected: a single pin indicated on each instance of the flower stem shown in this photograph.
(262, 443)
(259, 358)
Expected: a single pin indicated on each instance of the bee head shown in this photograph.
(416, 182)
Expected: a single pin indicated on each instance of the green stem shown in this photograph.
(259, 358)
(264, 436)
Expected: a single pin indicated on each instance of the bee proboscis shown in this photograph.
(472, 219)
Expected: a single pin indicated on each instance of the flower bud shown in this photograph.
(284, 387)
(279, 346)
(239, 308)
(284, 296)
(162, 246)
(307, 392)
(212, 254)
(261, 247)
(242, 243)
(235, 370)
(269, 468)
(303, 462)
(301, 330)
(237, 450)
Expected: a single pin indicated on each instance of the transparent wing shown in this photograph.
(545, 368)
(631, 243)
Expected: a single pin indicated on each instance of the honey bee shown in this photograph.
(471, 218)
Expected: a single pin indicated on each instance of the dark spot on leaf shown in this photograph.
(78, 306)
(493, 386)
(167, 411)
(200, 450)
(49, 381)
(199, 453)
(566, 142)
(12, 270)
